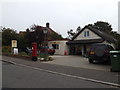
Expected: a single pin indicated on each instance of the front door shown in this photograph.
(72, 50)
(84, 50)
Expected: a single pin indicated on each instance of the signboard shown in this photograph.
(55, 43)
(14, 43)
(15, 50)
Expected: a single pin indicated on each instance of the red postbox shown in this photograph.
(34, 51)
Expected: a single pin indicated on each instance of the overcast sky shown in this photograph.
(62, 15)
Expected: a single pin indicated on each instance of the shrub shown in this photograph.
(6, 49)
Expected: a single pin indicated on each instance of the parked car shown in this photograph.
(51, 50)
(47, 49)
(27, 50)
(99, 53)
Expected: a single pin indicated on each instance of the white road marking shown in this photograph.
(63, 74)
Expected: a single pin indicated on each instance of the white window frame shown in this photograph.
(86, 34)
(57, 46)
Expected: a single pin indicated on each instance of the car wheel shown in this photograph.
(51, 53)
(111, 70)
(90, 60)
(108, 61)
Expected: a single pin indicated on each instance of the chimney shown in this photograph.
(47, 25)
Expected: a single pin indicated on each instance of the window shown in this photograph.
(55, 46)
(86, 33)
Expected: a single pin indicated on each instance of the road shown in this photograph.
(22, 76)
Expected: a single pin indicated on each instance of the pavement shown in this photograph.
(72, 65)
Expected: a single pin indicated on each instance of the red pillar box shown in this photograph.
(34, 51)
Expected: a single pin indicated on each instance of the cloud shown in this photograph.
(62, 14)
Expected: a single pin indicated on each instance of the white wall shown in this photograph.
(92, 35)
(62, 46)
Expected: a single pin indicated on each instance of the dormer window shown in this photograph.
(86, 34)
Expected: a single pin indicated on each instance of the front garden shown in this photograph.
(7, 50)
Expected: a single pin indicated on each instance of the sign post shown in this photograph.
(14, 48)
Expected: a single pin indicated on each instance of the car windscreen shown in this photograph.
(94, 46)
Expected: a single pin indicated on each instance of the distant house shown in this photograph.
(51, 34)
(80, 43)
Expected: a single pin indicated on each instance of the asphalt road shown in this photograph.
(96, 74)
(15, 76)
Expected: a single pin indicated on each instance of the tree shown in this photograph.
(78, 29)
(103, 26)
(8, 35)
(22, 42)
(28, 37)
(107, 28)
(37, 35)
(70, 33)
(117, 37)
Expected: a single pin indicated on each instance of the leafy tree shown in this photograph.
(71, 33)
(117, 37)
(78, 29)
(107, 28)
(28, 37)
(8, 35)
(103, 26)
(22, 42)
(37, 35)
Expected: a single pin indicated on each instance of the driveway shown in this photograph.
(77, 61)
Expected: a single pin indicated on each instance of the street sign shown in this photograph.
(14, 43)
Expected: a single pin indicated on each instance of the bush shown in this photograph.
(50, 58)
(45, 57)
(6, 49)
(22, 53)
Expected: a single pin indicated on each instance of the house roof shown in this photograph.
(103, 35)
(41, 28)
(60, 40)
(88, 41)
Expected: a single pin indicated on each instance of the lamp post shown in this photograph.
(45, 31)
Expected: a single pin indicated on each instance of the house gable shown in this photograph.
(87, 34)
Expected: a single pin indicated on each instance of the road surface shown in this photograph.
(15, 76)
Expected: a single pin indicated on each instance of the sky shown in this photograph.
(62, 15)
